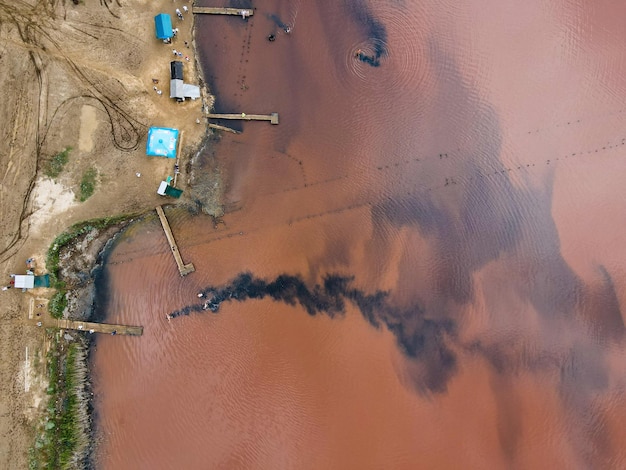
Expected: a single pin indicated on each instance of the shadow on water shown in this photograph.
(489, 221)
(102, 282)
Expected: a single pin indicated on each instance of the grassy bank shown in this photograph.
(63, 435)
(62, 243)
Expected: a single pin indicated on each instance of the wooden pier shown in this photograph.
(273, 118)
(90, 327)
(100, 327)
(243, 12)
(183, 268)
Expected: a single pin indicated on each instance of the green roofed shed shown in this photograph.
(166, 190)
(173, 192)
(42, 281)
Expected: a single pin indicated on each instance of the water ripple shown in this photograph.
(389, 59)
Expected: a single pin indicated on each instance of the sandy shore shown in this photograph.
(78, 76)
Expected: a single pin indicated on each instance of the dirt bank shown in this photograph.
(77, 76)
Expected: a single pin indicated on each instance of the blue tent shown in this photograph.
(162, 142)
(163, 26)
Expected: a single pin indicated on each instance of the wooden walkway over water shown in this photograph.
(183, 268)
(91, 327)
(243, 12)
(36, 318)
(107, 328)
(273, 118)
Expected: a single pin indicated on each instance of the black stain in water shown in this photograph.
(503, 221)
(279, 22)
(371, 59)
(606, 310)
(375, 31)
(421, 336)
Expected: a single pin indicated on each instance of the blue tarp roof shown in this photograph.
(162, 142)
(163, 26)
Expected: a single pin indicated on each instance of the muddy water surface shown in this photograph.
(420, 267)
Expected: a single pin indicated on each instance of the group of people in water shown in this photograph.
(371, 59)
(210, 304)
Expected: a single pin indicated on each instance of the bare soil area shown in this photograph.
(80, 75)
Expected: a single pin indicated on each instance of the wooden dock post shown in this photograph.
(272, 118)
(183, 268)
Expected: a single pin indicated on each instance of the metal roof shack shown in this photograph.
(179, 89)
(191, 91)
(24, 281)
(176, 70)
(162, 142)
(163, 26)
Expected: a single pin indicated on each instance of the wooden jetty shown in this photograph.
(100, 327)
(90, 327)
(243, 12)
(273, 118)
(183, 268)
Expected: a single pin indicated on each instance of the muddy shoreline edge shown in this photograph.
(70, 407)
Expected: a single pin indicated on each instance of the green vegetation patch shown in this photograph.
(88, 184)
(62, 435)
(58, 303)
(55, 165)
(66, 238)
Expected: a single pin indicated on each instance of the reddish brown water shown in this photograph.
(467, 160)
